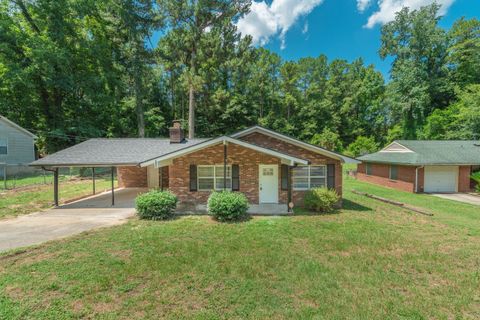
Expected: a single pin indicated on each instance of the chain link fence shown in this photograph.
(19, 176)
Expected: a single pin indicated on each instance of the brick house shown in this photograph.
(423, 166)
(268, 167)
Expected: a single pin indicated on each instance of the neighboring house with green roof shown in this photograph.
(423, 166)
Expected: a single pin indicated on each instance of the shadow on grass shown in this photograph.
(347, 205)
(305, 212)
(355, 206)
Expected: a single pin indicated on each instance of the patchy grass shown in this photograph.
(23, 201)
(453, 213)
(371, 260)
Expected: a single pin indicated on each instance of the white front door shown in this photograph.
(441, 178)
(268, 183)
(153, 180)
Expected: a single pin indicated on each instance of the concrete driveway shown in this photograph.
(461, 197)
(73, 218)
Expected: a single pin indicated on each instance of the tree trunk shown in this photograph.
(191, 112)
(191, 97)
(139, 100)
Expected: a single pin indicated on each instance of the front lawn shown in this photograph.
(370, 261)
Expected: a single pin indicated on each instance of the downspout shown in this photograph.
(224, 165)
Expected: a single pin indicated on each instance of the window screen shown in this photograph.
(211, 177)
(307, 177)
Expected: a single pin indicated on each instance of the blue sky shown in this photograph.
(336, 28)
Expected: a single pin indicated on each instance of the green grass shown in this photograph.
(370, 260)
(32, 199)
(14, 182)
(449, 212)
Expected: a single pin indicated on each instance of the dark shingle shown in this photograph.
(426, 152)
(126, 151)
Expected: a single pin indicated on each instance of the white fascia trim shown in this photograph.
(223, 139)
(16, 126)
(397, 151)
(280, 136)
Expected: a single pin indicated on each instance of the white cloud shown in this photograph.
(265, 21)
(363, 4)
(388, 8)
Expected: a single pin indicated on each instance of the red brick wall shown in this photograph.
(293, 150)
(132, 177)
(406, 177)
(464, 178)
(177, 175)
(380, 175)
(247, 159)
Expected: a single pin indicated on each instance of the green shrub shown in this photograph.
(228, 206)
(476, 177)
(321, 199)
(156, 205)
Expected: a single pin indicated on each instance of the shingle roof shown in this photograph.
(430, 152)
(125, 151)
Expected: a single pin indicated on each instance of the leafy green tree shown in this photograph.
(361, 146)
(460, 120)
(327, 139)
(186, 44)
(419, 70)
(464, 52)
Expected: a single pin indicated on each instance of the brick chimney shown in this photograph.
(176, 132)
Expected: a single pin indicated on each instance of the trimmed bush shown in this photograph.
(321, 199)
(228, 206)
(476, 177)
(156, 205)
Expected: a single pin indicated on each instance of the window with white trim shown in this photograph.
(211, 178)
(307, 177)
(3, 146)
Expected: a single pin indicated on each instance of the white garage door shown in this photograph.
(441, 178)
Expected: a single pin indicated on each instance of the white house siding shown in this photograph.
(21, 149)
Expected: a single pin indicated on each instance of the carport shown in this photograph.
(124, 154)
(55, 171)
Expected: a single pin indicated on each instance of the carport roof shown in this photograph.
(113, 152)
(428, 152)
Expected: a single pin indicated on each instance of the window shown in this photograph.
(393, 172)
(307, 177)
(211, 177)
(3, 146)
(368, 169)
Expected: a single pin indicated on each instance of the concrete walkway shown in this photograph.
(461, 197)
(73, 218)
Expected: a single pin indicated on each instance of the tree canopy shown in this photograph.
(75, 69)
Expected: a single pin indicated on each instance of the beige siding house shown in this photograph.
(17, 147)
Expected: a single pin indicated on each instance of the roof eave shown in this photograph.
(292, 140)
(16, 126)
(218, 140)
(84, 165)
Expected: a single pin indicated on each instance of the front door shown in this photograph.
(268, 183)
